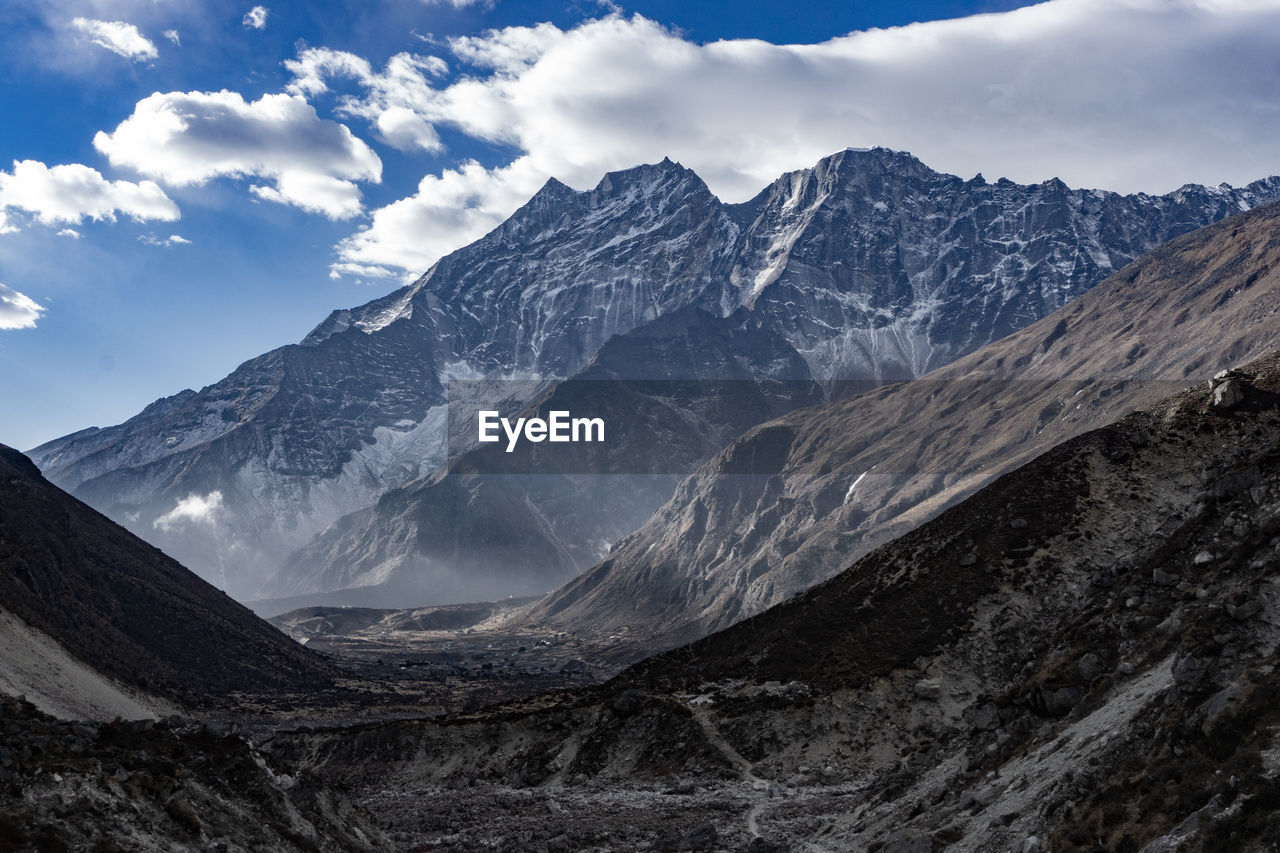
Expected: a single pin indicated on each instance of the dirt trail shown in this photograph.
(759, 788)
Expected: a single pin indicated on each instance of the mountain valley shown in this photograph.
(1018, 594)
(1079, 655)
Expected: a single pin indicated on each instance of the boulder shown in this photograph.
(1229, 394)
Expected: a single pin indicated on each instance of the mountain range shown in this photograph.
(317, 466)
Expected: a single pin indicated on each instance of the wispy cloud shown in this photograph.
(172, 35)
(256, 18)
(184, 138)
(17, 311)
(118, 37)
(408, 235)
(171, 240)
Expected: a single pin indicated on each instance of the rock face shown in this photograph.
(125, 610)
(1046, 694)
(870, 266)
(830, 483)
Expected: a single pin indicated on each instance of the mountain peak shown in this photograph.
(554, 188)
(878, 153)
(648, 177)
(877, 160)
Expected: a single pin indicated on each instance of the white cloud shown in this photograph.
(459, 4)
(396, 101)
(17, 311)
(1123, 94)
(187, 138)
(117, 37)
(69, 232)
(171, 240)
(172, 35)
(69, 193)
(446, 212)
(193, 509)
(360, 271)
(256, 18)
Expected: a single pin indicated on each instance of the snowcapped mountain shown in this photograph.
(868, 266)
(297, 438)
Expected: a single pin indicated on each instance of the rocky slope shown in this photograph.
(165, 786)
(869, 265)
(83, 600)
(792, 501)
(1080, 656)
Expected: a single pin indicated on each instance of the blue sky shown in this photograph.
(185, 185)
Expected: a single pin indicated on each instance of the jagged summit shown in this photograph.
(553, 188)
(552, 194)
(877, 157)
(649, 178)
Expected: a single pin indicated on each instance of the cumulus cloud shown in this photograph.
(447, 211)
(118, 37)
(184, 138)
(69, 193)
(256, 18)
(193, 509)
(1129, 95)
(17, 311)
(69, 232)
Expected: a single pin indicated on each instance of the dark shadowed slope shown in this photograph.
(125, 609)
(794, 500)
(161, 787)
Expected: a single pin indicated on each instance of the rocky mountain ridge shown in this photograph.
(493, 523)
(870, 265)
